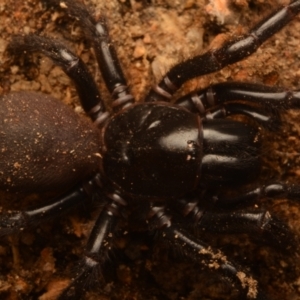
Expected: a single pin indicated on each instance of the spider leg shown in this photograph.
(198, 251)
(268, 97)
(231, 52)
(97, 33)
(275, 190)
(270, 121)
(231, 220)
(257, 223)
(16, 220)
(99, 244)
(72, 65)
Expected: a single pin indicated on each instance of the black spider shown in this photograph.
(169, 160)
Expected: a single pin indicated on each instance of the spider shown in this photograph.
(168, 161)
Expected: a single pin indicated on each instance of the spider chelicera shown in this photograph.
(169, 160)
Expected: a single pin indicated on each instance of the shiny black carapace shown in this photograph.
(172, 160)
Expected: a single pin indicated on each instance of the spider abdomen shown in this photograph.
(153, 150)
(44, 144)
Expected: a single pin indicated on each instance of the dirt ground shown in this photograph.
(151, 36)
